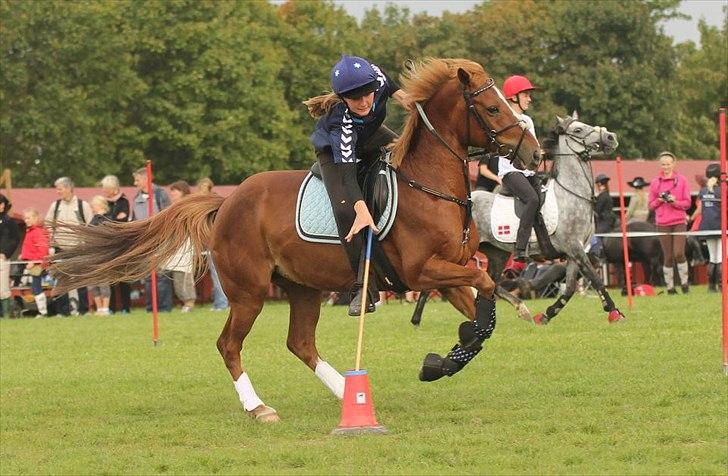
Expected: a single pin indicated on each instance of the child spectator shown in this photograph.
(35, 250)
(101, 292)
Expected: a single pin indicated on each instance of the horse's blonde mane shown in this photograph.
(420, 83)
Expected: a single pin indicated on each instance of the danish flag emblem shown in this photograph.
(504, 230)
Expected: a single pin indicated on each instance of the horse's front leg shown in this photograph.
(472, 333)
(581, 259)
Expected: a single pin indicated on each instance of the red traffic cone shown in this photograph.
(357, 412)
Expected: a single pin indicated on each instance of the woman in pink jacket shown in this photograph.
(35, 248)
(670, 199)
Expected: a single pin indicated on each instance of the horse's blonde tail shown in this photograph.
(122, 252)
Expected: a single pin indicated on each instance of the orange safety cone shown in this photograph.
(357, 412)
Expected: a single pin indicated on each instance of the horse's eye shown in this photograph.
(493, 109)
(578, 130)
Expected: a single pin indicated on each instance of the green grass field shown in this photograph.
(91, 395)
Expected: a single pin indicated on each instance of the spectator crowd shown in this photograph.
(44, 236)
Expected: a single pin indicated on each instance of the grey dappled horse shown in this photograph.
(571, 145)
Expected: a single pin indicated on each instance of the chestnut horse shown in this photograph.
(252, 235)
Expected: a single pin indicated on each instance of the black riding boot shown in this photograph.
(356, 290)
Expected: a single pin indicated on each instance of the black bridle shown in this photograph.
(492, 134)
(584, 156)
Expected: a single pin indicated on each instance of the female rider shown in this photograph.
(349, 132)
(517, 89)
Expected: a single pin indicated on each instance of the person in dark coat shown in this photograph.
(604, 216)
(9, 240)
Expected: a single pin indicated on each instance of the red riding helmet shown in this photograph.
(517, 84)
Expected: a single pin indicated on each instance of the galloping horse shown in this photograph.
(253, 240)
(572, 144)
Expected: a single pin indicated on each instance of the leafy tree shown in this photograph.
(313, 36)
(702, 76)
(64, 84)
(213, 103)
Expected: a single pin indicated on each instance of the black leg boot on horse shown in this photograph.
(472, 335)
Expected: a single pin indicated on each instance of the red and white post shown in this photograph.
(625, 241)
(724, 231)
(155, 314)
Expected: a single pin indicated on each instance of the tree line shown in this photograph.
(214, 88)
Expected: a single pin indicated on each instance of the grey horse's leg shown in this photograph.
(562, 299)
(586, 269)
(419, 307)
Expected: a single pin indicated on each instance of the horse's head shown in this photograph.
(582, 139)
(491, 122)
(462, 103)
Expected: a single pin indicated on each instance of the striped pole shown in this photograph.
(150, 203)
(625, 242)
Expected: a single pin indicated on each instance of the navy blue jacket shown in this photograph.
(341, 131)
(710, 211)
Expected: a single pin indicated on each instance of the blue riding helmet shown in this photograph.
(353, 77)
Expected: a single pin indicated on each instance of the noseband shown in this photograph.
(467, 204)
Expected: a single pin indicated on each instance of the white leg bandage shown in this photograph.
(247, 395)
(331, 378)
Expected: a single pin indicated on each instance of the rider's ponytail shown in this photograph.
(319, 106)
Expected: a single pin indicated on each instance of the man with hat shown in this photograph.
(638, 209)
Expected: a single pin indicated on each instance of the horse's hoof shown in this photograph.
(523, 312)
(264, 414)
(540, 320)
(615, 315)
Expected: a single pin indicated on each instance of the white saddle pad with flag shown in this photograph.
(504, 222)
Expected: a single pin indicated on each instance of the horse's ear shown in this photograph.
(463, 76)
(575, 115)
(560, 129)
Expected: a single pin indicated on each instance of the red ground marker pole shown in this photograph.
(625, 242)
(155, 315)
(724, 231)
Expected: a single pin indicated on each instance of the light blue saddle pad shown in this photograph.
(315, 217)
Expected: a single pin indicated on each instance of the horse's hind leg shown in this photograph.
(562, 300)
(305, 310)
(243, 311)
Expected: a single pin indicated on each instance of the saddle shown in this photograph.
(315, 217)
(507, 211)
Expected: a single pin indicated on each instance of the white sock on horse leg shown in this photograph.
(682, 270)
(667, 272)
(331, 378)
(247, 395)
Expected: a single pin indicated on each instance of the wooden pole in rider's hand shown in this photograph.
(625, 241)
(150, 203)
(364, 292)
